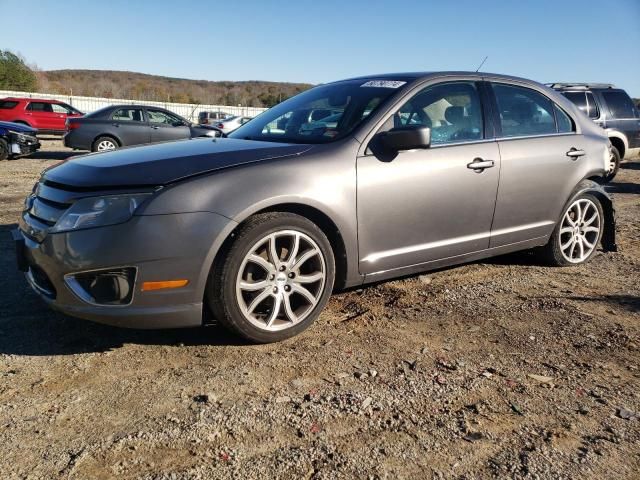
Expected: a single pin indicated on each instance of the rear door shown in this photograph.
(130, 126)
(540, 163)
(40, 115)
(166, 126)
(623, 114)
(430, 204)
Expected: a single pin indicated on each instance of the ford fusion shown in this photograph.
(410, 172)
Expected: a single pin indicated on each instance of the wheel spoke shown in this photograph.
(591, 229)
(578, 213)
(305, 293)
(273, 251)
(268, 267)
(294, 250)
(253, 286)
(314, 277)
(587, 243)
(592, 219)
(580, 247)
(567, 217)
(566, 230)
(277, 302)
(293, 318)
(305, 256)
(564, 246)
(573, 248)
(258, 300)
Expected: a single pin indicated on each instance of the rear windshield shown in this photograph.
(7, 104)
(299, 119)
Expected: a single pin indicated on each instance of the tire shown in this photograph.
(101, 143)
(576, 244)
(243, 293)
(614, 165)
(5, 151)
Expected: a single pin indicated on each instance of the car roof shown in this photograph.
(413, 76)
(27, 99)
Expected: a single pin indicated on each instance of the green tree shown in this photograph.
(15, 74)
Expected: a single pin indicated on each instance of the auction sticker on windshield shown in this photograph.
(384, 83)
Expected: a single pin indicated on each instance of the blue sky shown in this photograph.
(323, 40)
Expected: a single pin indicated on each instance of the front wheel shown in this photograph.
(614, 165)
(274, 279)
(577, 234)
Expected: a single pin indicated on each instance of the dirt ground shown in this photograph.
(498, 369)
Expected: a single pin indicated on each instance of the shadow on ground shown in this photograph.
(29, 327)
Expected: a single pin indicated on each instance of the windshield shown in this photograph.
(301, 119)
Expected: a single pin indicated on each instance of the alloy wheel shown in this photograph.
(281, 280)
(105, 145)
(580, 230)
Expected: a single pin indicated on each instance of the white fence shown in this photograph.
(90, 104)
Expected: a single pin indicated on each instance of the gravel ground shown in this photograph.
(498, 369)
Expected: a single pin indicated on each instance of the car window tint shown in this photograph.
(592, 107)
(565, 124)
(128, 115)
(523, 111)
(620, 105)
(452, 111)
(8, 105)
(40, 107)
(579, 99)
(158, 116)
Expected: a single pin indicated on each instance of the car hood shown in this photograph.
(165, 163)
(18, 127)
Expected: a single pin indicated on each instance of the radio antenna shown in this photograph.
(480, 66)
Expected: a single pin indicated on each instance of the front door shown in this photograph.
(130, 125)
(41, 116)
(431, 204)
(166, 127)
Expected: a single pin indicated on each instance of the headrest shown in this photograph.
(454, 114)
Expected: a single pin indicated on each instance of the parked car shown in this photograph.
(124, 125)
(207, 118)
(424, 171)
(228, 125)
(46, 116)
(17, 139)
(613, 110)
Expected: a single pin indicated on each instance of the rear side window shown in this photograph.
(128, 115)
(620, 105)
(8, 104)
(565, 124)
(40, 107)
(524, 112)
(579, 99)
(592, 107)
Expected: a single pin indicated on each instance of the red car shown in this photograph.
(47, 116)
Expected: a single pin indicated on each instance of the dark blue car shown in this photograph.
(17, 139)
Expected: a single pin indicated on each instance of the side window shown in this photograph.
(452, 111)
(579, 99)
(40, 107)
(158, 116)
(8, 105)
(128, 115)
(620, 105)
(565, 124)
(57, 108)
(592, 107)
(523, 112)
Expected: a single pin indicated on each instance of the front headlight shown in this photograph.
(18, 137)
(99, 211)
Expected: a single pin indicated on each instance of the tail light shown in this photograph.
(71, 125)
(220, 125)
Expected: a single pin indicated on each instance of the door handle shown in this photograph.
(155, 127)
(479, 164)
(574, 153)
(116, 124)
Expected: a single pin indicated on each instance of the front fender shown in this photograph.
(595, 189)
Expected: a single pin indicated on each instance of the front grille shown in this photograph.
(43, 209)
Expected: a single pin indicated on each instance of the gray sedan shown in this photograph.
(420, 171)
(125, 125)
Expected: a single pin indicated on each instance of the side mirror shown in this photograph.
(406, 138)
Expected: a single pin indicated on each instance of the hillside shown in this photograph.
(139, 86)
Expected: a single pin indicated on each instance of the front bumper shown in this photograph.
(158, 247)
(23, 144)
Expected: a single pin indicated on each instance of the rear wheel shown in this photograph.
(577, 234)
(274, 279)
(104, 144)
(4, 149)
(614, 165)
